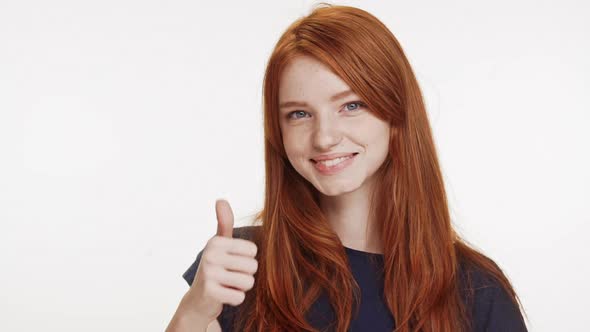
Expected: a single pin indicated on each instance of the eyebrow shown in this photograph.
(335, 97)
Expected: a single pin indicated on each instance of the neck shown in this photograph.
(348, 215)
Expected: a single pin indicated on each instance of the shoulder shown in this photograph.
(493, 308)
(245, 232)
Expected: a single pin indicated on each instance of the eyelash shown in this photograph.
(360, 103)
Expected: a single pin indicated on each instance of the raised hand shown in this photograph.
(226, 270)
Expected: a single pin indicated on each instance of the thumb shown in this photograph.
(225, 218)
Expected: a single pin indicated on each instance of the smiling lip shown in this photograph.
(334, 169)
(332, 156)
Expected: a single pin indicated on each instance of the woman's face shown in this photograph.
(315, 125)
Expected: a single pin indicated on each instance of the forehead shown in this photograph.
(306, 78)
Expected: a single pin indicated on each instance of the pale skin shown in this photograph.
(225, 274)
(324, 125)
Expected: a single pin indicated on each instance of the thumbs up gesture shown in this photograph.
(226, 270)
(225, 218)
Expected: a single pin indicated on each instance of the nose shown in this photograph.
(326, 134)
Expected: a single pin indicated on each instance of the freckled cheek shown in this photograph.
(295, 149)
(375, 140)
(296, 138)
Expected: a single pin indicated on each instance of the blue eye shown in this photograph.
(290, 115)
(358, 103)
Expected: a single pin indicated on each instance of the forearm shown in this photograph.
(187, 321)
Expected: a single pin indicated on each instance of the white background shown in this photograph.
(121, 122)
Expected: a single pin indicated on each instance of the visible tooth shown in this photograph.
(335, 161)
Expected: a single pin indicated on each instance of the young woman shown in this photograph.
(355, 233)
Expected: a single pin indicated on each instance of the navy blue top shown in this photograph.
(492, 309)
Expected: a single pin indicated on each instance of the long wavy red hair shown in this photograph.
(299, 255)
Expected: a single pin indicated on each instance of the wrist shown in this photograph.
(190, 322)
(193, 321)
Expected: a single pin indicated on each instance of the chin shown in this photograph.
(333, 193)
(336, 189)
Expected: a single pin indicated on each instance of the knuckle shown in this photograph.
(213, 242)
(207, 258)
(239, 298)
(250, 282)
